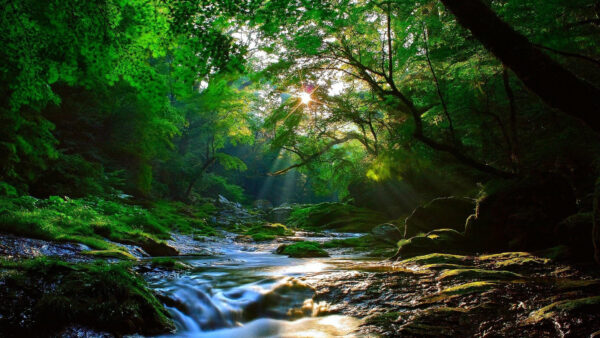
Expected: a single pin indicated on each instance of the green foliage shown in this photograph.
(106, 297)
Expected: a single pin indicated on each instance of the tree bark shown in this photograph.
(554, 84)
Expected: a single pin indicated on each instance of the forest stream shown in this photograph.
(248, 291)
(299, 168)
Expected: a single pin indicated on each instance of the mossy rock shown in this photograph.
(302, 250)
(437, 258)
(438, 241)
(157, 248)
(514, 260)
(268, 231)
(120, 254)
(437, 322)
(382, 319)
(588, 305)
(339, 216)
(56, 294)
(445, 212)
(168, 263)
(479, 274)
(468, 288)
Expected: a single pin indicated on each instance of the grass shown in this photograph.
(55, 294)
(92, 220)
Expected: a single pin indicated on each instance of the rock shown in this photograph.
(446, 212)
(279, 214)
(437, 241)
(158, 248)
(521, 215)
(387, 232)
(479, 274)
(302, 250)
(263, 205)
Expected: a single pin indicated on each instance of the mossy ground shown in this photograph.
(42, 296)
(302, 250)
(91, 221)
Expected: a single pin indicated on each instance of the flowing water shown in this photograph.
(247, 291)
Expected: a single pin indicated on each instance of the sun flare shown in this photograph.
(305, 98)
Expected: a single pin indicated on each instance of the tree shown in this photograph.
(552, 82)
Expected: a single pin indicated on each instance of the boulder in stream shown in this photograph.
(445, 212)
(387, 232)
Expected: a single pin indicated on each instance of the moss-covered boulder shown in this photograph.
(302, 250)
(157, 248)
(268, 231)
(336, 216)
(387, 232)
(446, 212)
(520, 214)
(42, 296)
(438, 258)
(437, 241)
(279, 214)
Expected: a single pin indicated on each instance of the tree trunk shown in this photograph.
(553, 83)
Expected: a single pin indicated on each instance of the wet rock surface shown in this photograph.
(20, 247)
(509, 294)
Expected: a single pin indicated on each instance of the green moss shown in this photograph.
(56, 294)
(569, 284)
(444, 266)
(437, 258)
(168, 263)
(302, 250)
(382, 319)
(473, 287)
(338, 216)
(588, 304)
(90, 221)
(110, 253)
(268, 231)
(479, 274)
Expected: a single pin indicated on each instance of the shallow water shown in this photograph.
(247, 291)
